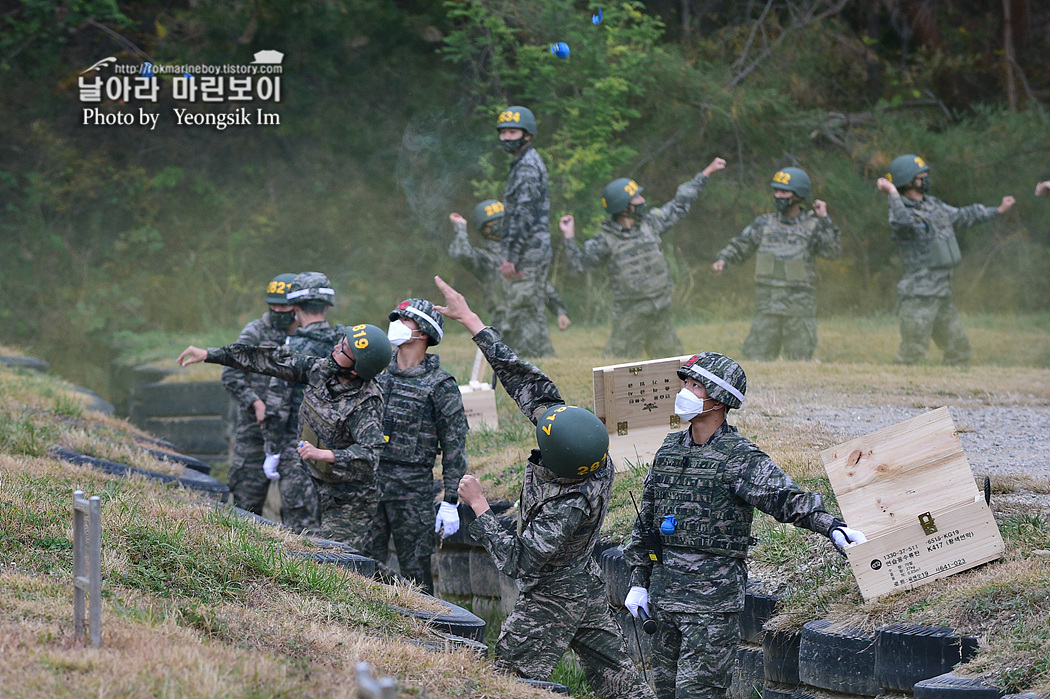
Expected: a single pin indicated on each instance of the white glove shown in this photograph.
(447, 520)
(270, 466)
(637, 597)
(843, 537)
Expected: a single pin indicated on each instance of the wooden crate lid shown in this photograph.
(889, 477)
(637, 394)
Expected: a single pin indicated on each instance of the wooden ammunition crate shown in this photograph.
(636, 403)
(479, 403)
(909, 488)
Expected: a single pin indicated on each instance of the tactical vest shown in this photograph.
(321, 424)
(783, 255)
(408, 419)
(689, 482)
(637, 268)
(936, 244)
(541, 487)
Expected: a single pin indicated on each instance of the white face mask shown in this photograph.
(398, 333)
(687, 405)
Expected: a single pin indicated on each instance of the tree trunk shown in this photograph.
(1008, 49)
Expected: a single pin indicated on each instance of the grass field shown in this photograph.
(220, 613)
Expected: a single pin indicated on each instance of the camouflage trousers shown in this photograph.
(247, 481)
(572, 613)
(411, 522)
(347, 511)
(693, 654)
(524, 312)
(299, 501)
(924, 316)
(795, 336)
(643, 324)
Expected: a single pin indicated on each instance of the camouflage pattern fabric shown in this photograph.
(772, 335)
(694, 654)
(564, 605)
(519, 330)
(248, 484)
(281, 429)
(786, 252)
(524, 301)
(638, 273)
(691, 582)
(919, 228)
(924, 316)
(925, 235)
(527, 209)
(424, 415)
(643, 324)
(344, 417)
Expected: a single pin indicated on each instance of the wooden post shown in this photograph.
(87, 574)
(367, 688)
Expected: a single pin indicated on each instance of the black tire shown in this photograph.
(361, 565)
(455, 620)
(748, 674)
(948, 686)
(780, 657)
(94, 402)
(27, 363)
(617, 575)
(484, 578)
(773, 690)
(908, 653)
(553, 687)
(453, 572)
(190, 479)
(333, 545)
(187, 461)
(837, 658)
(240, 512)
(759, 607)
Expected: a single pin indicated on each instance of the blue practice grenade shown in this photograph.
(667, 526)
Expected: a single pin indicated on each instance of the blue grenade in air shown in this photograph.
(667, 526)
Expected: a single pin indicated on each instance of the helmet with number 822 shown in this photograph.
(277, 290)
(792, 179)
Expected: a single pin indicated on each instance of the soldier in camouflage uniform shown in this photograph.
(526, 233)
(923, 227)
(247, 480)
(564, 497)
(629, 243)
(484, 261)
(688, 547)
(340, 420)
(424, 415)
(311, 294)
(788, 244)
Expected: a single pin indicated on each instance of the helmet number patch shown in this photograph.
(920, 162)
(494, 208)
(508, 116)
(584, 470)
(361, 342)
(782, 177)
(631, 187)
(276, 287)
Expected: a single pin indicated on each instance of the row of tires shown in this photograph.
(827, 657)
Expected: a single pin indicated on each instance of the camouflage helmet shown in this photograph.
(311, 286)
(517, 118)
(277, 290)
(371, 348)
(488, 210)
(617, 195)
(722, 377)
(904, 169)
(573, 441)
(426, 316)
(791, 179)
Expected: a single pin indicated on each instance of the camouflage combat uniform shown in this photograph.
(563, 601)
(527, 244)
(344, 417)
(281, 428)
(925, 235)
(697, 591)
(785, 280)
(248, 484)
(424, 415)
(484, 262)
(638, 274)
